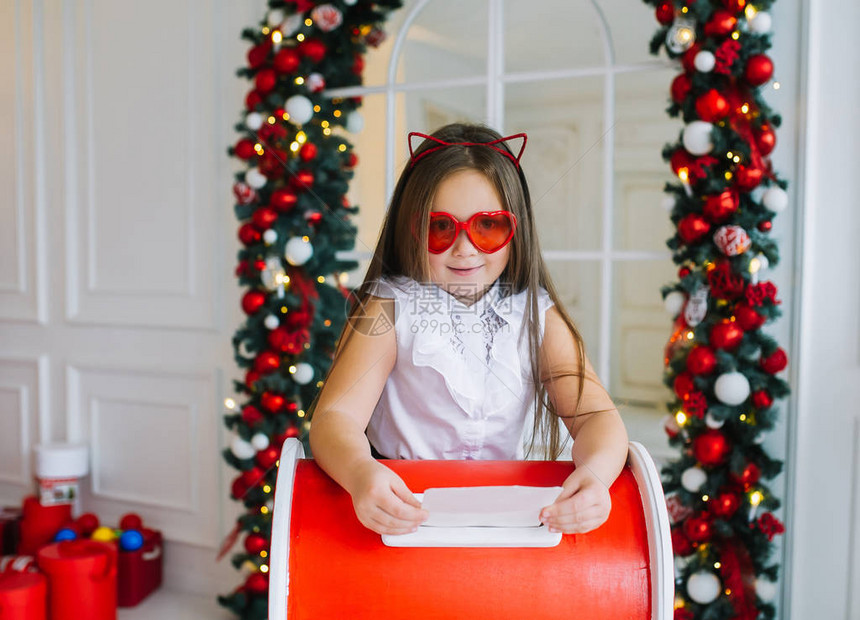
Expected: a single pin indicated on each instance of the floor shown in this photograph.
(168, 605)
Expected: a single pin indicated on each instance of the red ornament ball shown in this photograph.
(131, 521)
(308, 151)
(292, 409)
(287, 60)
(693, 227)
(749, 476)
(238, 488)
(268, 457)
(665, 13)
(271, 402)
(680, 88)
(735, 6)
(357, 64)
(711, 448)
(732, 240)
(251, 377)
(748, 318)
(283, 199)
(683, 385)
(721, 24)
(726, 335)
(683, 272)
(252, 100)
(248, 234)
(244, 149)
(257, 583)
(765, 226)
(759, 69)
(774, 362)
(267, 361)
(725, 504)
(252, 477)
(680, 543)
(313, 49)
(254, 543)
(251, 415)
(698, 529)
(701, 360)
(747, 178)
(87, 523)
(257, 55)
(264, 217)
(352, 160)
(688, 58)
(765, 139)
(762, 399)
(712, 106)
(719, 207)
(252, 301)
(303, 180)
(265, 81)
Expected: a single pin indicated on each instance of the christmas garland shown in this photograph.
(291, 202)
(719, 363)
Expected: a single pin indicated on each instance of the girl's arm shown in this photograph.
(600, 439)
(382, 501)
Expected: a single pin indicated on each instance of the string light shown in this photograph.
(324, 123)
(337, 113)
(305, 238)
(743, 417)
(717, 565)
(684, 9)
(342, 148)
(750, 11)
(321, 279)
(309, 22)
(230, 404)
(264, 568)
(736, 159)
(317, 108)
(300, 37)
(300, 80)
(258, 148)
(690, 335)
(301, 413)
(277, 37)
(286, 116)
(326, 131)
(705, 498)
(264, 554)
(284, 309)
(728, 176)
(745, 108)
(294, 147)
(264, 510)
(730, 155)
(776, 85)
(267, 489)
(327, 323)
(266, 30)
(756, 498)
(301, 138)
(681, 418)
(736, 35)
(292, 370)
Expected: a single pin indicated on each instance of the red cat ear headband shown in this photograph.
(442, 144)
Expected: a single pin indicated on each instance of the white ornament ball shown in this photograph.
(269, 237)
(775, 199)
(271, 322)
(680, 565)
(763, 262)
(694, 479)
(260, 442)
(293, 23)
(668, 202)
(300, 109)
(304, 373)
(671, 425)
(732, 388)
(704, 587)
(349, 2)
(275, 18)
(354, 122)
(255, 178)
(298, 251)
(697, 138)
(315, 82)
(705, 61)
(241, 449)
(254, 121)
(761, 22)
(712, 422)
(765, 589)
(674, 302)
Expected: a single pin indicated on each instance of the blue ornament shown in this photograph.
(65, 534)
(131, 540)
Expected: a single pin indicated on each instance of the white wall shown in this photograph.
(825, 574)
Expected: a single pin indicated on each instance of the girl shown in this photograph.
(456, 337)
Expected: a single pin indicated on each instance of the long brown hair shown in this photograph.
(526, 271)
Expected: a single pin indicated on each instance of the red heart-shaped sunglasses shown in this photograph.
(489, 231)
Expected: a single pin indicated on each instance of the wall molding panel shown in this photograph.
(154, 445)
(139, 197)
(21, 412)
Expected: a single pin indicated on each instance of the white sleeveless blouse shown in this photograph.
(461, 387)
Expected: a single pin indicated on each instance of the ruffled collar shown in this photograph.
(480, 387)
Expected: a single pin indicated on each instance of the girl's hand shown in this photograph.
(382, 501)
(582, 506)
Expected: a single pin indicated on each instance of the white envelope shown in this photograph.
(511, 506)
